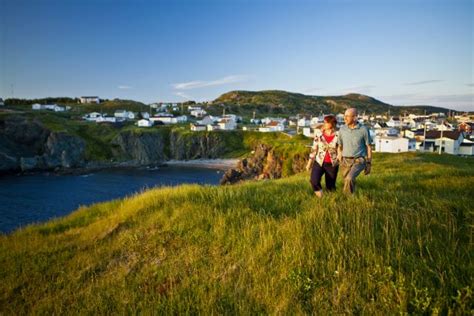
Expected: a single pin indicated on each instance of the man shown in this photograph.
(354, 152)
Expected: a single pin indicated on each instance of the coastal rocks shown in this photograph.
(64, 151)
(26, 145)
(30, 135)
(143, 148)
(261, 165)
(189, 145)
(265, 163)
(8, 163)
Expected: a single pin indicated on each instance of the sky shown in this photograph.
(404, 52)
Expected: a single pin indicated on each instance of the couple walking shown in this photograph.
(349, 148)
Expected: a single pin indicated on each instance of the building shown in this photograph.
(144, 123)
(165, 119)
(1, 102)
(466, 148)
(92, 117)
(304, 122)
(37, 106)
(227, 124)
(197, 127)
(198, 113)
(273, 126)
(108, 119)
(89, 99)
(449, 141)
(466, 127)
(208, 120)
(124, 114)
(391, 144)
(394, 122)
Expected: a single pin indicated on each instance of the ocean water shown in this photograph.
(40, 197)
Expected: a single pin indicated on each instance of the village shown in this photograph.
(435, 132)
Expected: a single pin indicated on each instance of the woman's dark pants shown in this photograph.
(330, 173)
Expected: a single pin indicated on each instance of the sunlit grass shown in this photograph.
(402, 244)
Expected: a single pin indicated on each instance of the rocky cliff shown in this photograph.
(192, 145)
(142, 148)
(266, 162)
(27, 145)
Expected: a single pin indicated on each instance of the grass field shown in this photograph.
(401, 244)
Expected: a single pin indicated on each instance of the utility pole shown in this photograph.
(424, 133)
(441, 138)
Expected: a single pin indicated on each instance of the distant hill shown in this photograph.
(277, 101)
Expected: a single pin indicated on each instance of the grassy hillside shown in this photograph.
(403, 243)
(282, 102)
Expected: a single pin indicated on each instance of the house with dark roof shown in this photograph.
(450, 141)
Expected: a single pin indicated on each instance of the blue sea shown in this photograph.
(34, 198)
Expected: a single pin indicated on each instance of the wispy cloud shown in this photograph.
(124, 87)
(202, 84)
(416, 83)
(470, 84)
(184, 96)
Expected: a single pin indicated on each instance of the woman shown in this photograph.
(323, 157)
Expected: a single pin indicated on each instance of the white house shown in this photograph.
(394, 122)
(304, 122)
(450, 141)
(108, 119)
(170, 119)
(37, 106)
(267, 120)
(413, 133)
(198, 113)
(227, 124)
(1, 102)
(212, 127)
(50, 107)
(145, 123)
(89, 99)
(93, 116)
(391, 144)
(316, 120)
(124, 114)
(273, 126)
(198, 127)
(208, 120)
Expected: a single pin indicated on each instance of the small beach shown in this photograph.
(205, 163)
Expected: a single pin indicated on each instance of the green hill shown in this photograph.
(282, 102)
(402, 244)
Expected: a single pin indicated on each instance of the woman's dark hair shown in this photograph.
(330, 119)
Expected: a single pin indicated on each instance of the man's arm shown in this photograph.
(369, 153)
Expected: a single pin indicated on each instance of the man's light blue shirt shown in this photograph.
(354, 141)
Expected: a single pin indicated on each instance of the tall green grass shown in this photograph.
(401, 244)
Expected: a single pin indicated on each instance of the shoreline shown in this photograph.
(218, 163)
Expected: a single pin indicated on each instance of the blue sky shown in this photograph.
(401, 52)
